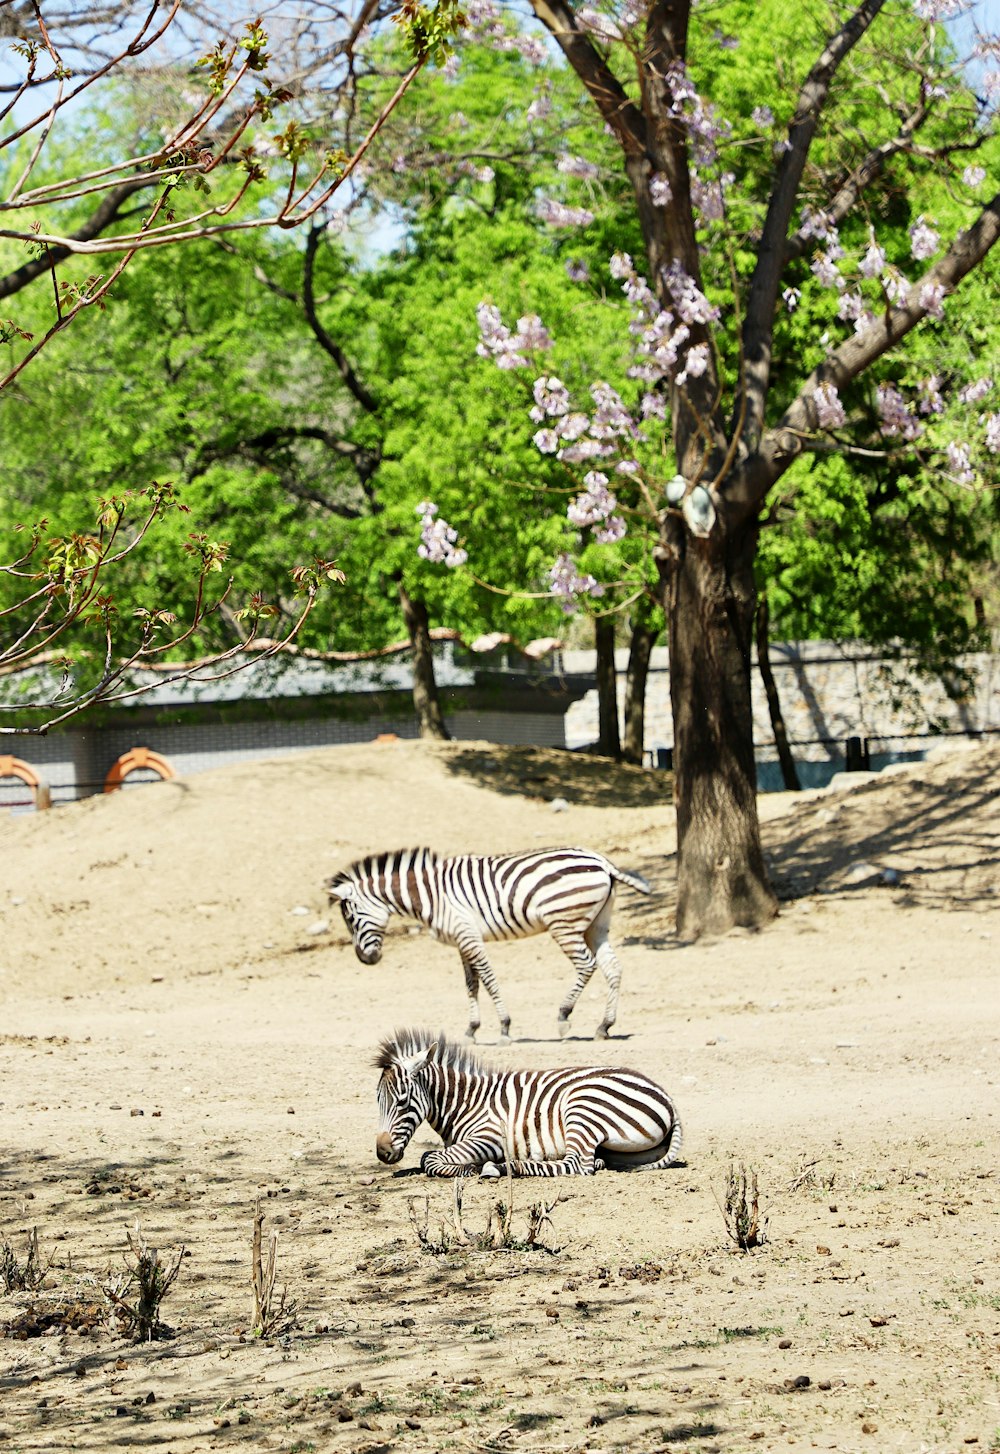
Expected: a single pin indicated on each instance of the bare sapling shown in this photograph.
(271, 1316)
(741, 1209)
(136, 1295)
(28, 1276)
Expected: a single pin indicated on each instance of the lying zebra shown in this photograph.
(569, 1122)
(467, 900)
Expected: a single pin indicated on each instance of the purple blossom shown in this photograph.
(539, 108)
(972, 393)
(597, 24)
(532, 336)
(653, 406)
(894, 414)
(924, 241)
(709, 198)
(659, 190)
(939, 9)
(595, 504)
(551, 395)
(437, 538)
(791, 297)
(566, 582)
(825, 269)
(897, 288)
(577, 271)
(829, 410)
(451, 68)
(573, 426)
(974, 176)
(931, 401)
(993, 433)
(695, 364)
(557, 214)
(583, 449)
(546, 441)
(960, 464)
(496, 341)
(620, 266)
(572, 166)
(872, 265)
(612, 530)
(691, 304)
(762, 116)
(850, 305)
(816, 224)
(932, 299)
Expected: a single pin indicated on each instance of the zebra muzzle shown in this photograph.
(385, 1150)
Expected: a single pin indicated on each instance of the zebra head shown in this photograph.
(365, 919)
(403, 1102)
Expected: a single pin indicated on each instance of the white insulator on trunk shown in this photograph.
(698, 511)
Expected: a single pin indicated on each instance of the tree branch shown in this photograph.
(323, 338)
(602, 85)
(783, 443)
(758, 325)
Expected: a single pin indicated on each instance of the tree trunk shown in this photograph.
(425, 694)
(640, 649)
(608, 740)
(709, 600)
(789, 774)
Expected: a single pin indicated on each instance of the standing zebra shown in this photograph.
(467, 900)
(569, 1122)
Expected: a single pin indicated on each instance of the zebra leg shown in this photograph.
(574, 945)
(472, 985)
(477, 967)
(579, 1158)
(462, 1158)
(597, 938)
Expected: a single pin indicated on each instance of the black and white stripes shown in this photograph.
(569, 1122)
(468, 900)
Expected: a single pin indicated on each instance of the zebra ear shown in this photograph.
(417, 1062)
(341, 891)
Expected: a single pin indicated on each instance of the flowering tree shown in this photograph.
(745, 219)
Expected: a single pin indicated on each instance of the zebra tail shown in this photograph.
(665, 1154)
(633, 880)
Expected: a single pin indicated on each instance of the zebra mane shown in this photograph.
(374, 862)
(403, 1044)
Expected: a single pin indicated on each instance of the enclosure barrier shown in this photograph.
(15, 768)
(137, 759)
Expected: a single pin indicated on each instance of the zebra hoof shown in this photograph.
(563, 1027)
(489, 1171)
(470, 1034)
(504, 1039)
(601, 1033)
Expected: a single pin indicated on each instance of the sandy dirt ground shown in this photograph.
(182, 1032)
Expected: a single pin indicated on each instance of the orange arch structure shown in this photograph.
(131, 761)
(14, 767)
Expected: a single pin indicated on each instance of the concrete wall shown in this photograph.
(829, 691)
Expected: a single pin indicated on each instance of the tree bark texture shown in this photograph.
(709, 598)
(640, 650)
(608, 738)
(425, 693)
(789, 772)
